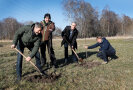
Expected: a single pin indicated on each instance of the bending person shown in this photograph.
(106, 49)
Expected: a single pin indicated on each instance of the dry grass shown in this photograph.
(116, 75)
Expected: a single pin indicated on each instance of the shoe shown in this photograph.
(18, 80)
(66, 60)
(43, 64)
(75, 61)
(109, 58)
(44, 74)
(104, 62)
(53, 64)
(74, 58)
(56, 66)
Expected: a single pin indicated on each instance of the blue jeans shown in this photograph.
(21, 47)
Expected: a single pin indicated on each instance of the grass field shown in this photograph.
(116, 75)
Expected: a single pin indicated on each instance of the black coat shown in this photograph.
(65, 35)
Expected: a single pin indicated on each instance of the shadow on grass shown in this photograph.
(82, 55)
(1, 45)
(61, 62)
(85, 55)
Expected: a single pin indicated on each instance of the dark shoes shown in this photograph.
(44, 74)
(66, 60)
(18, 80)
(54, 65)
(75, 60)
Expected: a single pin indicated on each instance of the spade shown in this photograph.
(79, 59)
(41, 73)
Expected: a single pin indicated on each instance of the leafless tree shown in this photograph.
(127, 24)
(57, 32)
(8, 27)
(109, 23)
(84, 15)
(90, 23)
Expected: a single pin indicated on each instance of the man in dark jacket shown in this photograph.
(48, 28)
(27, 36)
(69, 35)
(106, 49)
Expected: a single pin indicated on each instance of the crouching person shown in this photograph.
(69, 35)
(27, 36)
(106, 49)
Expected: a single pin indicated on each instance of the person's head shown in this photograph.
(99, 39)
(38, 28)
(73, 25)
(47, 17)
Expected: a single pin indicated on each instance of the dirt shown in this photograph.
(90, 65)
(1, 45)
(80, 60)
(42, 79)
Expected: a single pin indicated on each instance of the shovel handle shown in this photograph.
(20, 53)
(75, 53)
(72, 48)
(25, 58)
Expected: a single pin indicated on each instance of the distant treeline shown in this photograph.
(91, 23)
(8, 27)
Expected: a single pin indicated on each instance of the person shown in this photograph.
(69, 35)
(106, 49)
(48, 28)
(27, 36)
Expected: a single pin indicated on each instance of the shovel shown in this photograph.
(32, 63)
(79, 59)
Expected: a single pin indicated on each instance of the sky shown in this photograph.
(34, 10)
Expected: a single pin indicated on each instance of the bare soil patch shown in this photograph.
(42, 79)
(89, 65)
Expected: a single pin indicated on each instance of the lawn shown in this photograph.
(92, 75)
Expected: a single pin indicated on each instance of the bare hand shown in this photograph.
(86, 47)
(13, 46)
(28, 59)
(72, 47)
(50, 30)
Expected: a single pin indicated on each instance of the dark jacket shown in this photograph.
(65, 35)
(105, 45)
(46, 33)
(26, 36)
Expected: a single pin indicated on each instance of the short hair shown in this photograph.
(98, 37)
(74, 22)
(47, 15)
(39, 25)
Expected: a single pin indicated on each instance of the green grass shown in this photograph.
(116, 75)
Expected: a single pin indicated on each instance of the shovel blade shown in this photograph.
(80, 60)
